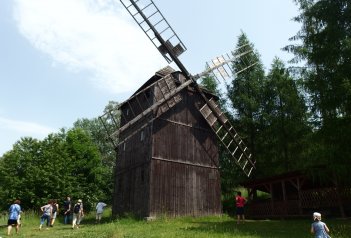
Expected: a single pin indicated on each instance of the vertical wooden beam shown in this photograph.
(249, 192)
(299, 194)
(272, 198)
(338, 195)
(284, 198)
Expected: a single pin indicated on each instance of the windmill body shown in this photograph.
(167, 160)
(170, 166)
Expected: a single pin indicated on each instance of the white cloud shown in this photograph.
(29, 128)
(12, 130)
(90, 35)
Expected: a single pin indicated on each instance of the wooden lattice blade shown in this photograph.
(156, 27)
(227, 135)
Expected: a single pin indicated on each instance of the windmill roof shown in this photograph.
(158, 75)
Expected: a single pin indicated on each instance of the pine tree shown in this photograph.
(285, 125)
(245, 93)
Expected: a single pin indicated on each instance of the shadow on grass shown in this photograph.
(262, 229)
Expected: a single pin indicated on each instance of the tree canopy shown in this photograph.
(324, 46)
(77, 162)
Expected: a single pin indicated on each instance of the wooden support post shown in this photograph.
(272, 198)
(285, 209)
(299, 194)
(338, 195)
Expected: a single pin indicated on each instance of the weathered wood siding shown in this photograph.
(182, 189)
(132, 174)
(171, 165)
(184, 169)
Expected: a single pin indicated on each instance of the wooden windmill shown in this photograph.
(168, 132)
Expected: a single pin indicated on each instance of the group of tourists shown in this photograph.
(73, 214)
(76, 213)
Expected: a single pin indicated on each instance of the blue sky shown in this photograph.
(61, 60)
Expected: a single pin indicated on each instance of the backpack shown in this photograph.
(66, 205)
(54, 208)
(76, 208)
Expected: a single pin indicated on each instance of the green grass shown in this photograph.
(214, 227)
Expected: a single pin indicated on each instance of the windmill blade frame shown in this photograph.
(139, 10)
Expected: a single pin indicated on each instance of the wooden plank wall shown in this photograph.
(184, 169)
(181, 189)
(132, 192)
(132, 175)
(174, 169)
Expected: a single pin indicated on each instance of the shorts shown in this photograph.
(240, 211)
(12, 222)
(98, 216)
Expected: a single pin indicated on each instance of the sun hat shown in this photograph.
(317, 215)
(79, 200)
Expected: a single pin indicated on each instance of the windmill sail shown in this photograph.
(156, 27)
(140, 105)
(231, 140)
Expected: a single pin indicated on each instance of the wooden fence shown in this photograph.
(325, 200)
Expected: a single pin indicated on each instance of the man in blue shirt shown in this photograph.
(14, 211)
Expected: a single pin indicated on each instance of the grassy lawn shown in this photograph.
(220, 227)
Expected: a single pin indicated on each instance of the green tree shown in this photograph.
(98, 132)
(325, 48)
(63, 163)
(18, 174)
(209, 82)
(245, 93)
(285, 126)
(86, 169)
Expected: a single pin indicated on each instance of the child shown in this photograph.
(318, 227)
(240, 203)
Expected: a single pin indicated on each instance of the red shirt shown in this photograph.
(240, 201)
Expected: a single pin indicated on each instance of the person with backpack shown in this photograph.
(55, 208)
(78, 213)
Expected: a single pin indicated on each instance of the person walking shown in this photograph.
(78, 214)
(46, 216)
(14, 212)
(240, 203)
(67, 210)
(55, 208)
(99, 210)
(319, 228)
